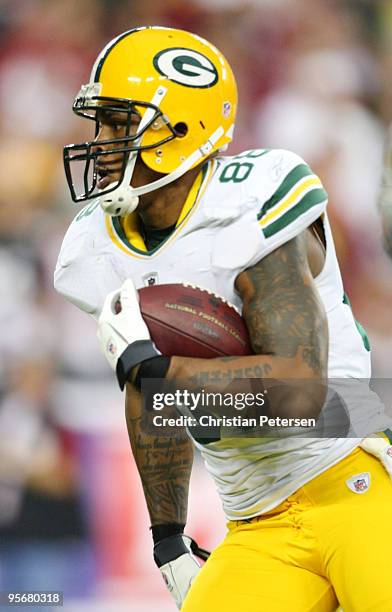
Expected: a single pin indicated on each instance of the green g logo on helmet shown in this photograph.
(186, 67)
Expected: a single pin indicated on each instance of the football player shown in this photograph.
(309, 518)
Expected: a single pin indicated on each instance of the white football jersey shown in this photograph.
(239, 210)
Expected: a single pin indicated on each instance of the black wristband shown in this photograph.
(165, 530)
(156, 367)
(134, 354)
(173, 546)
(170, 549)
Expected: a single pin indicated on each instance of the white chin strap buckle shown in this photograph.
(120, 202)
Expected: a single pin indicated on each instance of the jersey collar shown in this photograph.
(125, 232)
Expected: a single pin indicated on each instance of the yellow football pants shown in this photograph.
(325, 545)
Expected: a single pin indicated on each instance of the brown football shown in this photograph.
(188, 321)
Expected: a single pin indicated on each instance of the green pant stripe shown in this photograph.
(388, 433)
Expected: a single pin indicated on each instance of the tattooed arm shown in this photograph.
(287, 327)
(164, 463)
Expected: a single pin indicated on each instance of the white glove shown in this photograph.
(380, 448)
(116, 331)
(180, 571)
(179, 575)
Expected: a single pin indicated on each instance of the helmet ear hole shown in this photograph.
(181, 129)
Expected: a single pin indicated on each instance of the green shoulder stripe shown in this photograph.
(288, 183)
(312, 198)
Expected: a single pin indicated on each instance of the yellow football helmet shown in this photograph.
(185, 94)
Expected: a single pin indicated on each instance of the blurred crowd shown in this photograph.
(314, 76)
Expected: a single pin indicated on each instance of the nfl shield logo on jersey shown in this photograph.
(150, 279)
(359, 483)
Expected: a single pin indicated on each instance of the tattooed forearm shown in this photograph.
(282, 309)
(164, 464)
(221, 375)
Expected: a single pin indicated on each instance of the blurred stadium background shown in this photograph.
(314, 76)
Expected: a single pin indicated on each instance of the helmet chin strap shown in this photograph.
(125, 199)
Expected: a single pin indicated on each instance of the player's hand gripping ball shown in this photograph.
(181, 320)
(120, 326)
